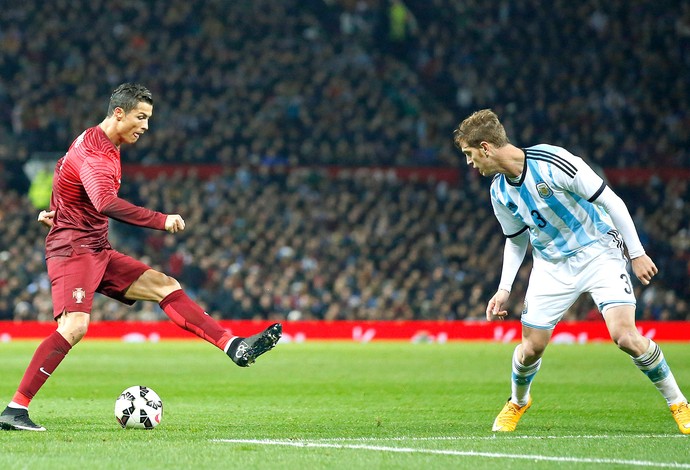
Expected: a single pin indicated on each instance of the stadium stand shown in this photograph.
(363, 246)
(268, 85)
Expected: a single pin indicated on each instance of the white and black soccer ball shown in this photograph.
(139, 407)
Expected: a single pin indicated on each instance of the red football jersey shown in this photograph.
(85, 188)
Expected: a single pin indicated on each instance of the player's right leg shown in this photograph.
(17, 419)
(548, 296)
(73, 283)
(525, 365)
(510, 415)
(72, 327)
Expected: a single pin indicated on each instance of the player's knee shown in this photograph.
(531, 352)
(79, 331)
(171, 283)
(630, 341)
(161, 281)
(73, 326)
(152, 286)
(165, 285)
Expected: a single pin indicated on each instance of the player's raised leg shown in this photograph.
(649, 358)
(156, 286)
(244, 351)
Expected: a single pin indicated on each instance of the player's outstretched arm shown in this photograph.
(126, 212)
(495, 310)
(644, 268)
(174, 223)
(46, 218)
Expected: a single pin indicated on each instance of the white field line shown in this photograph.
(470, 453)
(499, 437)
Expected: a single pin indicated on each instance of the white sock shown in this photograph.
(521, 379)
(227, 346)
(653, 364)
(17, 405)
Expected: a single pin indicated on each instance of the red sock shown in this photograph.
(186, 313)
(47, 357)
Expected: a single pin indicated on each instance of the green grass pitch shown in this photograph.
(331, 405)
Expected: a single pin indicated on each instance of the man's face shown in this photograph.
(478, 158)
(134, 123)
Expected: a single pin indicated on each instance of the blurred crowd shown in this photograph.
(302, 245)
(265, 87)
(260, 80)
(609, 80)
(351, 82)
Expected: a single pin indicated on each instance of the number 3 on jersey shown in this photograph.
(628, 286)
(538, 219)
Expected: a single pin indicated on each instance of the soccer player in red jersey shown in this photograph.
(82, 262)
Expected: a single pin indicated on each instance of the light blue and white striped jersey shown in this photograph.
(552, 199)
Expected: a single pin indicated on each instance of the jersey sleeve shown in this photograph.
(588, 184)
(101, 185)
(585, 183)
(510, 225)
(620, 215)
(124, 211)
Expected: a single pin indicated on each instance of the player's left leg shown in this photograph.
(549, 295)
(127, 279)
(158, 287)
(648, 357)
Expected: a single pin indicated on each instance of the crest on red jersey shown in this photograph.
(78, 294)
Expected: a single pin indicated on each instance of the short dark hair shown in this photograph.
(127, 96)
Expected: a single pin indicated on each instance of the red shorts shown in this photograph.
(74, 279)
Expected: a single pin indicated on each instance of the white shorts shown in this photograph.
(599, 269)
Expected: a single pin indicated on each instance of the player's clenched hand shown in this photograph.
(644, 268)
(46, 218)
(495, 308)
(174, 223)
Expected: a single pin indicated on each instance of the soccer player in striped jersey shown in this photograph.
(81, 261)
(578, 228)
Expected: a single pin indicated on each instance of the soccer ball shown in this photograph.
(139, 407)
